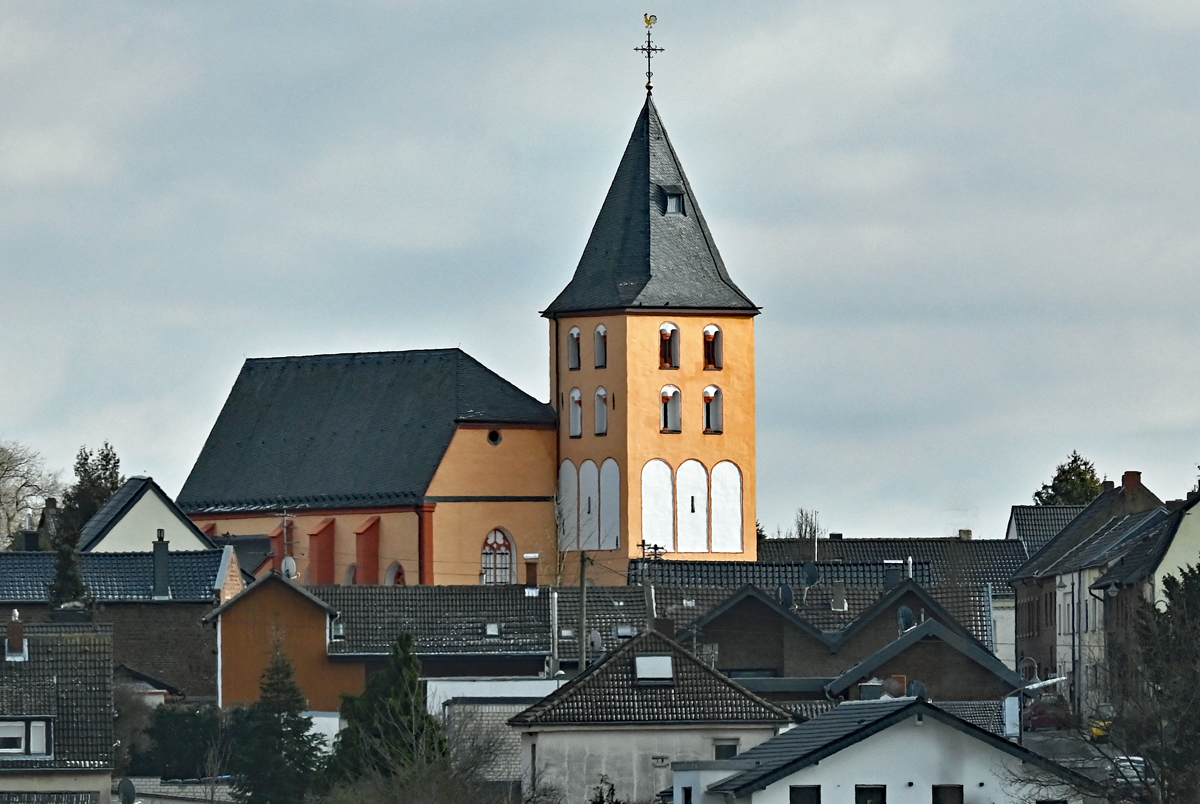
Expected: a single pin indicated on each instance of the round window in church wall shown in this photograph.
(494, 437)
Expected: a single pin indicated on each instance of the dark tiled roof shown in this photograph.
(1034, 525)
(950, 560)
(607, 608)
(345, 431)
(1141, 556)
(1106, 544)
(76, 661)
(193, 576)
(639, 256)
(807, 710)
(251, 551)
(987, 715)
(608, 693)
(768, 575)
(131, 491)
(49, 798)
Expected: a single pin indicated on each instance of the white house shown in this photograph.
(889, 751)
(132, 518)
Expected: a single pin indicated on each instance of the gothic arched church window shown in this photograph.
(497, 559)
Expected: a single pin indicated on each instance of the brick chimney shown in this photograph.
(162, 583)
(965, 534)
(1131, 482)
(1107, 485)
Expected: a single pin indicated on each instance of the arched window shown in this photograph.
(726, 508)
(568, 507)
(573, 349)
(668, 346)
(601, 346)
(714, 357)
(351, 571)
(610, 505)
(671, 420)
(497, 559)
(691, 507)
(394, 575)
(589, 506)
(713, 418)
(575, 413)
(601, 411)
(658, 505)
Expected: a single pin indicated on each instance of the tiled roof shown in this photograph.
(76, 660)
(1034, 525)
(607, 608)
(251, 551)
(608, 693)
(25, 577)
(1106, 544)
(950, 560)
(807, 710)
(131, 491)
(640, 256)
(49, 798)
(1141, 555)
(987, 715)
(346, 431)
(768, 575)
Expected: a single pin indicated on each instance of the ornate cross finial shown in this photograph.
(649, 49)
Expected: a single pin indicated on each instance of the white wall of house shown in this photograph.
(1080, 637)
(59, 781)
(636, 759)
(326, 724)
(923, 754)
(440, 690)
(1004, 626)
(1184, 549)
(136, 531)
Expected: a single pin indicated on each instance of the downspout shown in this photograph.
(220, 666)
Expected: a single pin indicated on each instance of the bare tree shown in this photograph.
(216, 762)
(24, 486)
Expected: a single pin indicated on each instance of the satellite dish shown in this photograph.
(904, 618)
(810, 573)
(594, 642)
(916, 689)
(126, 791)
(289, 568)
(786, 598)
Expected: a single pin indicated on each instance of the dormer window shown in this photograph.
(492, 629)
(672, 199)
(573, 349)
(654, 670)
(24, 737)
(600, 346)
(713, 357)
(668, 346)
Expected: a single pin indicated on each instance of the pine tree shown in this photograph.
(1074, 483)
(388, 729)
(97, 478)
(275, 752)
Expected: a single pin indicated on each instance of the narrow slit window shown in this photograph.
(600, 346)
(573, 349)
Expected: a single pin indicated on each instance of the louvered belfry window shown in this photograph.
(497, 558)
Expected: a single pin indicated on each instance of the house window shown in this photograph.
(497, 559)
(601, 411)
(873, 794)
(687, 795)
(671, 419)
(725, 749)
(668, 346)
(573, 349)
(674, 203)
(600, 347)
(713, 353)
(804, 794)
(575, 413)
(947, 794)
(654, 669)
(714, 421)
(24, 737)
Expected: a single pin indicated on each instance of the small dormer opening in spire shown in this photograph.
(672, 199)
(668, 347)
(573, 349)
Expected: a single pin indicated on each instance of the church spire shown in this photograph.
(650, 247)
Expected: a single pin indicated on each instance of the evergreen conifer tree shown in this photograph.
(97, 478)
(275, 752)
(1074, 483)
(388, 730)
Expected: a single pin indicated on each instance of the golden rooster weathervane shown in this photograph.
(649, 49)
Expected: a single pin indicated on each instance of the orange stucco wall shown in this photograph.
(250, 628)
(633, 381)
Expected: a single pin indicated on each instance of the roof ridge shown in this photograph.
(335, 355)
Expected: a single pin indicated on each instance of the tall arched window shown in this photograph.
(394, 575)
(601, 346)
(497, 559)
(668, 346)
(658, 505)
(713, 418)
(576, 413)
(714, 357)
(610, 505)
(589, 506)
(726, 508)
(351, 571)
(573, 349)
(671, 419)
(691, 507)
(601, 411)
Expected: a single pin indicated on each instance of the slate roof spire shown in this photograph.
(641, 255)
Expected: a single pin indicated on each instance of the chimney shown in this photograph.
(837, 536)
(162, 586)
(531, 562)
(908, 568)
(1107, 485)
(964, 534)
(32, 540)
(1131, 482)
(14, 645)
(893, 573)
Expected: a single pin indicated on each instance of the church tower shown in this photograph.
(652, 374)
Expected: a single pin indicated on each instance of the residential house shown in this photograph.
(56, 713)
(135, 517)
(895, 750)
(1060, 630)
(645, 705)
(1034, 525)
(961, 560)
(152, 602)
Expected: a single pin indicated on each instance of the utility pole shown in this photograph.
(583, 637)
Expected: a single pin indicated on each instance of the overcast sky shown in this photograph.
(972, 227)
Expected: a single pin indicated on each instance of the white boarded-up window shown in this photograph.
(691, 506)
(568, 506)
(589, 506)
(658, 514)
(727, 508)
(610, 505)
